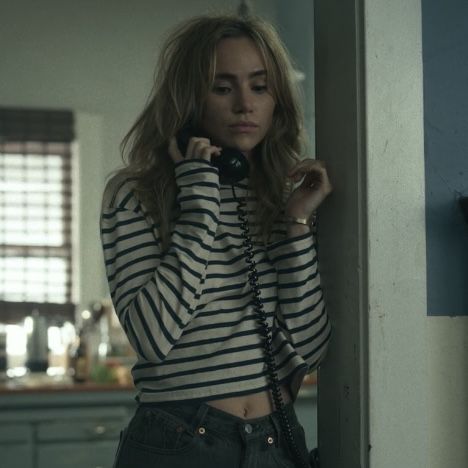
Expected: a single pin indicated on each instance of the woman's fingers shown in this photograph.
(174, 151)
(197, 148)
(314, 173)
(201, 148)
(305, 166)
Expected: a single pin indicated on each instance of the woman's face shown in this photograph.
(239, 108)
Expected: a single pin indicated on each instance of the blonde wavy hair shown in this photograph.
(184, 76)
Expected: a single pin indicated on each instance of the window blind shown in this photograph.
(35, 212)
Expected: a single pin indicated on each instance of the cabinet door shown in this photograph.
(16, 455)
(16, 449)
(99, 454)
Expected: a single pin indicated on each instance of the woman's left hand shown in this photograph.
(315, 187)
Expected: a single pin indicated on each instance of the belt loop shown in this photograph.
(200, 415)
(277, 427)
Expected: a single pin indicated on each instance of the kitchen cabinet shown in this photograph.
(79, 426)
(69, 429)
(16, 445)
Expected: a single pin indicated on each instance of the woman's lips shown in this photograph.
(244, 127)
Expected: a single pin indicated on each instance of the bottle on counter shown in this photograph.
(3, 352)
(37, 346)
(80, 359)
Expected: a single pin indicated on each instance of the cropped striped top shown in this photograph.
(188, 312)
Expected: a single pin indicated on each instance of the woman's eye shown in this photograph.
(221, 89)
(260, 88)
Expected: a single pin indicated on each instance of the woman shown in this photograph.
(176, 260)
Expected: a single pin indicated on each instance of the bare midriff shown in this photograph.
(251, 406)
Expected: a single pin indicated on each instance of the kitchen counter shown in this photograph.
(44, 384)
(12, 388)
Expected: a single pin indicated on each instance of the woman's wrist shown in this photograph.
(296, 229)
(299, 225)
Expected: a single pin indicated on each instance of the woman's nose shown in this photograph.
(243, 102)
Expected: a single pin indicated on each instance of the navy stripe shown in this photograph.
(210, 383)
(189, 253)
(299, 284)
(191, 238)
(174, 291)
(204, 198)
(133, 339)
(192, 162)
(298, 268)
(295, 300)
(313, 338)
(126, 199)
(237, 258)
(319, 347)
(179, 276)
(183, 345)
(182, 265)
(289, 255)
(200, 370)
(126, 237)
(130, 264)
(220, 325)
(205, 170)
(213, 185)
(197, 212)
(202, 357)
(128, 292)
(148, 334)
(122, 253)
(306, 310)
(313, 321)
(157, 315)
(131, 277)
(290, 240)
(203, 227)
(244, 271)
(248, 199)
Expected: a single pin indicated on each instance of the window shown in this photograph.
(35, 213)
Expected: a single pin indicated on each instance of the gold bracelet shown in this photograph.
(292, 219)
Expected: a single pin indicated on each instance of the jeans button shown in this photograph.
(248, 428)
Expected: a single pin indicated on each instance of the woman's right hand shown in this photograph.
(197, 148)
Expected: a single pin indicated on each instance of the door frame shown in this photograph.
(373, 385)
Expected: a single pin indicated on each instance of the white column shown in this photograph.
(373, 390)
(398, 373)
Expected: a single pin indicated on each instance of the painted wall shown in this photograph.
(445, 54)
(295, 22)
(418, 377)
(97, 59)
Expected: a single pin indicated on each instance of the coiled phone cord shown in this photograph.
(267, 334)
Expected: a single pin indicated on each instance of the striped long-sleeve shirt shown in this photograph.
(188, 312)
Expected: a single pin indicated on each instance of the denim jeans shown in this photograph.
(185, 435)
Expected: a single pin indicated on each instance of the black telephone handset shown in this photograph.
(231, 163)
